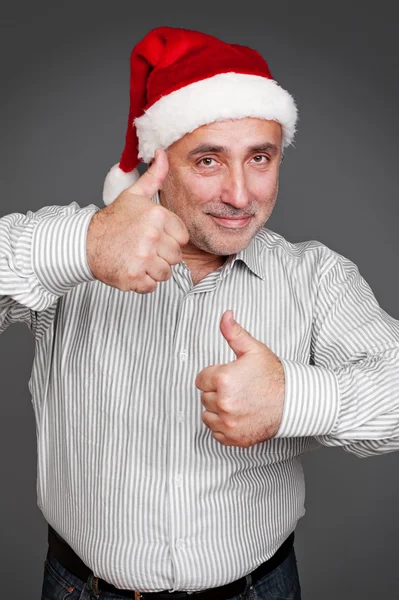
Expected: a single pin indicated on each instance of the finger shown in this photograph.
(169, 249)
(145, 285)
(212, 421)
(209, 401)
(206, 379)
(222, 438)
(159, 269)
(151, 181)
(238, 338)
(175, 227)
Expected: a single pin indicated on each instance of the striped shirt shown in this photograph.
(128, 474)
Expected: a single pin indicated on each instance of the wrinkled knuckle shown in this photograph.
(159, 212)
(146, 257)
(224, 404)
(165, 274)
(144, 253)
(153, 235)
(225, 407)
(230, 423)
(176, 258)
(222, 380)
(131, 276)
(142, 249)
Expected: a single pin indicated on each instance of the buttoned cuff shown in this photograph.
(59, 255)
(312, 400)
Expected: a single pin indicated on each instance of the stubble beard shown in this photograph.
(210, 241)
(230, 241)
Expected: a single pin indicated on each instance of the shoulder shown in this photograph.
(312, 255)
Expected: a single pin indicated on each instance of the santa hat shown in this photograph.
(181, 80)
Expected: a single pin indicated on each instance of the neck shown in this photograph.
(201, 263)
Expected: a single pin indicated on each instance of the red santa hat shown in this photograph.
(181, 80)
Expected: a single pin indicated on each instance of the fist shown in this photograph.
(133, 243)
(243, 399)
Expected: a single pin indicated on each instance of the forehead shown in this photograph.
(234, 135)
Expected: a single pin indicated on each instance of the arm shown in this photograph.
(130, 245)
(349, 397)
(42, 257)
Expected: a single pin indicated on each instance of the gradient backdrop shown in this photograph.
(64, 104)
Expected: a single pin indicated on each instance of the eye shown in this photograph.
(261, 159)
(206, 161)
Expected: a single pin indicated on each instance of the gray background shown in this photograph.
(64, 104)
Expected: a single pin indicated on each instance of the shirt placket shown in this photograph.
(181, 395)
(178, 420)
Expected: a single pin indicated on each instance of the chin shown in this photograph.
(225, 242)
(227, 248)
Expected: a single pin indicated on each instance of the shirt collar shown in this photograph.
(252, 257)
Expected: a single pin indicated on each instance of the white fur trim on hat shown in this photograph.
(219, 98)
(116, 181)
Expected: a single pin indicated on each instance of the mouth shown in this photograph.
(231, 222)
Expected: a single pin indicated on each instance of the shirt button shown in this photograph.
(178, 480)
(179, 545)
(183, 355)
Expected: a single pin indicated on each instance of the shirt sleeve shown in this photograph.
(42, 257)
(349, 395)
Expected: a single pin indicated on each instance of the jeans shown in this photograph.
(281, 584)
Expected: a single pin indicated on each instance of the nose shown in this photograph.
(235, 190)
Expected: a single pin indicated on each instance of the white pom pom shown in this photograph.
(116, 181)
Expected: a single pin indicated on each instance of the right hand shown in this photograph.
(132, 243)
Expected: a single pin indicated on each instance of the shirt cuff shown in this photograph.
(312, 400)
(59, 255)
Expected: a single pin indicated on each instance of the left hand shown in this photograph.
(243, 399)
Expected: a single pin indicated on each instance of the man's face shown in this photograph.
(223, 182)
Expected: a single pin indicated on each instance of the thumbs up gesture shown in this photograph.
(243, 399)
(133, 242)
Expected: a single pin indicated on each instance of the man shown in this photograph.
(185, 355)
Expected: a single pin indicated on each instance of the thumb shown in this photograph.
(238, 338)
(150, 182)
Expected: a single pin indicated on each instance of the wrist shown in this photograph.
(95, 231)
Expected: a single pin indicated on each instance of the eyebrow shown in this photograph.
(212, 149)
